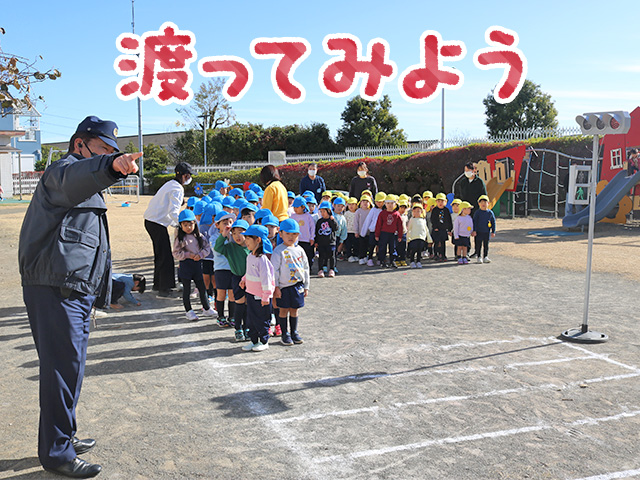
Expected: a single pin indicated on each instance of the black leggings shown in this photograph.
(416, 247)
(482, 241)
(186, 292)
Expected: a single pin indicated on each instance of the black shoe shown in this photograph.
(77, 468)
(164, 293)
(82, 446)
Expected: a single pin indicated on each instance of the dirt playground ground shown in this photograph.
(449, 372)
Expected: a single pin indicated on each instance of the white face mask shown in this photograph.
(188, 181)
(362, 173)
(312, 173)
(468, 174)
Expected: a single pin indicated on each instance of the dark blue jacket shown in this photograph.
(316, 186)
(484, 221)
(64, 240)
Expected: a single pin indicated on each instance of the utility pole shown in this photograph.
(205, 116)
(140, 141)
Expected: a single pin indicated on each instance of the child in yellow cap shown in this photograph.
(462, 228)
(351, 244)
(455, 211)
(388, 228)
(401, 248)
(417, 234)
(362, 241)
(484, 227)
(441, 227)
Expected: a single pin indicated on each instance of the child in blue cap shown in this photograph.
(307, 227)
(259, 283)
(326, 228)
(291, 270)
(189, 248)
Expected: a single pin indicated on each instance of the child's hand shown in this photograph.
(277, 293)
(473, 234)
(493, 235)
(242, 283)
(306, 292)
(377, 239)
(196, 258)
(264, 304)
(138, 304)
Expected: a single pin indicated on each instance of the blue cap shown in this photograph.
(210, 212)
(299, 202)
(271, 219)
(306, 193)
(290, 194)
(325, 204)
(224, 215)
(251, 196)
(240, 203)
(105, 130)
(311, 199)
(228, 202)
(339, 201)
(262, 233)
(192, 201)
(220, 184)
(240, 224)
(249, 206)
(198, 208)
(254, 187)
(260, 193)
(289, 225)
(186, 215)
(263, 212)
(235, 192)
(216, 195)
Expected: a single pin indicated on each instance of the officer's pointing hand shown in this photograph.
(126, 164)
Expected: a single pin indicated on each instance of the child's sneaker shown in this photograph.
(222, 322)
(460, 261)
(393, 264)
(321, 274)
(486, 260)
(277, 331)
(479, 260)
(272, 331)
(331, 274)
(362, 261)
(249, 346)
(260, 347)
(465, 260)
(191, 316)
(195, 293)
(370, 263)
(412, 265)
(246, 335)
(383, 265)
(403, 263)
(352, 259)
(418, 265)
(296, 338)
(286, 339)
(273, 320)
(209, 313)
(239, 336)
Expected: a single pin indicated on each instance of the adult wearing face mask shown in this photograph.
(313, 182)
(363, 181)
(471, 188)
(163, 211)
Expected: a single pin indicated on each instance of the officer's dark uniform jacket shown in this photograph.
(64, 241)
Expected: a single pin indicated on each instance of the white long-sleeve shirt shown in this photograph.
(164, 207)
(370, 222)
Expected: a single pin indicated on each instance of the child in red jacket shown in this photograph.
(389, 224)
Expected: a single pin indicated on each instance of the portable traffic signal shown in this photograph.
(603, 123)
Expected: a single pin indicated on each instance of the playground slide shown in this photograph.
(605, 201)
(495, 189)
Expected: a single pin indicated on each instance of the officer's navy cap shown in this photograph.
(105, 130)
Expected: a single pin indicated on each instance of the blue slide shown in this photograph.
(606, 201)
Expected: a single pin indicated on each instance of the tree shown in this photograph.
(531, 109)
(17, 74)
(156, 158)
(41, 164)
(369, 124)
(208, 101)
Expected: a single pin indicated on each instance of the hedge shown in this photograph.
(435, 171)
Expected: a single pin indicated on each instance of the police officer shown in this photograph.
(65, 262)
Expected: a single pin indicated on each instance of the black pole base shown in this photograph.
(579, 336)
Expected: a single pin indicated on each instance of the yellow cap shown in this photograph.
(381, 197)
(390, 198)
(431, 202)
(367, 192)
(403, 202)
(441, 196)
(326, 193)
(455, 200)
(427, 194)
(363, 198)
(464, 205)
(352, 200)
(483, 197)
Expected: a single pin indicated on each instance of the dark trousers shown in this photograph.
(309, 250)
(60, 329)
(186, 292)
(351, 246)
(416, 247)
(117, 290)
(363, 245)
(258, 319)
(386, 242)
(482, 242)
(326, 256)
(401, 248)
(164, 277)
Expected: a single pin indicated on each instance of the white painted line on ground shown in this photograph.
(469, 438)
(454, 398)
(351, 378)
(260, 362)
(602, 357)
(612, 475)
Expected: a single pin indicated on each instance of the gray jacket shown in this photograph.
(64, 241)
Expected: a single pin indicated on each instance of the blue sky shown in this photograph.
(585, 55)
